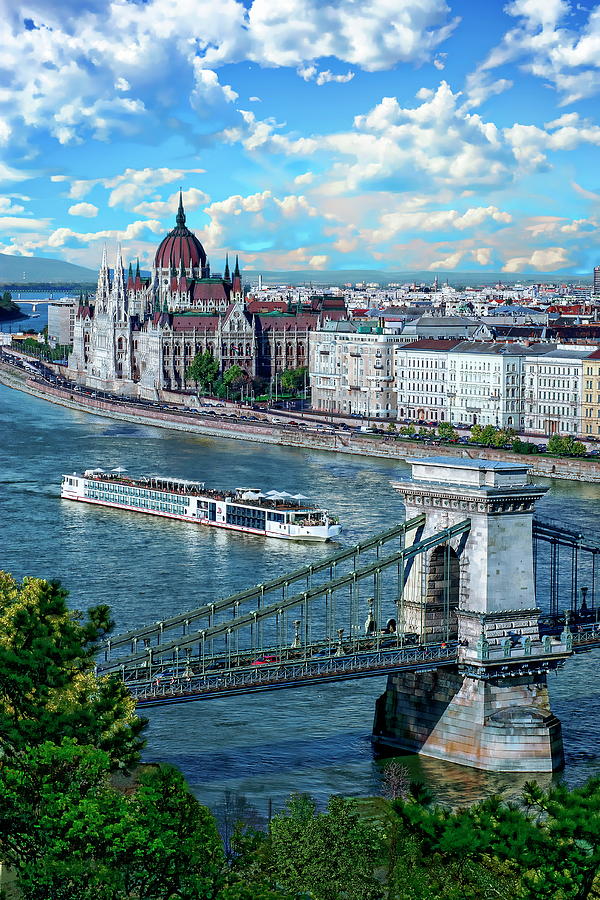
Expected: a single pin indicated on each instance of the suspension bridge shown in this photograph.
(426, 596)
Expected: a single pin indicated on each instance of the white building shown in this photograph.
(351, 370)
(421, 373)
(552, 390)
(484, 384)
(61, 321)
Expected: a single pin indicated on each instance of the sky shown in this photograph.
(395, 134)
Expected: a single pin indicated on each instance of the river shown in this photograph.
(265, 746)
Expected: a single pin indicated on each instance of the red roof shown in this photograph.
(195, 323)
(431, 344)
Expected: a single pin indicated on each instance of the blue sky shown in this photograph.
(394, 134)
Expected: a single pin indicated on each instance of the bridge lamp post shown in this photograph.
(297, 643)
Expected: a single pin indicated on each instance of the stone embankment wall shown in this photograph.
(356, 444)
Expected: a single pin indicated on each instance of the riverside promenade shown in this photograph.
(312, 437)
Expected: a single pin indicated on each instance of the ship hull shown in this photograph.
(315, 535)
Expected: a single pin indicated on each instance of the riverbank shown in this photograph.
(386, 447)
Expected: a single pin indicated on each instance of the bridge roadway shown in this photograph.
(218, 677)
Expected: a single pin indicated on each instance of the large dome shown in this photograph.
(180, 245)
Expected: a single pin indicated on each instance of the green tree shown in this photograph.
(447, 432)
(293, 380)
(70, 835)
(408, 430)
(235, 377)
(203, 370)
(330, 855)
(546, 850)
(566, 446)
(48, 687)
(502, 437)
(476, 433)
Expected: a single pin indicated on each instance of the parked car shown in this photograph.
(264, 660)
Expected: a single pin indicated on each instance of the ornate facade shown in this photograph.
(140, 334)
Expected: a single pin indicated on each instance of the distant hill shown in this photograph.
(24, 270)
(341, 276)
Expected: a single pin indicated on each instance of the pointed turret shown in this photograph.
(138, 277)
(236, 284)
(118, 297)
(227, 276)
(180, 212)
(103, 289)
(130, 284)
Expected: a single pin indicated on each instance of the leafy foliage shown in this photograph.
(566, 446)
(548, 850)
(330, 855)
(447, 432)
(48, 688)
(69, 834)
(294, 380)
(203, 370)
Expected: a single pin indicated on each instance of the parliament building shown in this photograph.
(139, 335)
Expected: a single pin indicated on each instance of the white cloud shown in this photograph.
(311, 73)
(447, 262)
(70, 80)
(437, 139)
(128, 187)
(60, 236)
(254, 100)
(430, 220)
(482, 255)
(192, 199)
(88, 210)
(318, 261)
(18, 223)
(566, 58)
(305, 178)
(547, 259)
(8, 206)
(376, 37)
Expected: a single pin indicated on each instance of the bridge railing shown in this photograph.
(275, 612)
(294, 673)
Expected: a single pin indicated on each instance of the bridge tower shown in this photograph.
(491, 711)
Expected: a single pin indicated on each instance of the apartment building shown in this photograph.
(484, 384)
(552, 390)
(590, 399)
(351, 370)
(421, 370)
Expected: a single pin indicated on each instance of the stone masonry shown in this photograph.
(491, 711)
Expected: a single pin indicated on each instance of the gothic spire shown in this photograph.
(236, 272)
(137, 268)
(180, 212)
(227, 276)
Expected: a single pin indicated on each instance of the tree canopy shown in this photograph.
(203, 370)
(48, 686)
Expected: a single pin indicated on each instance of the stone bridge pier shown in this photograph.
(490, 711)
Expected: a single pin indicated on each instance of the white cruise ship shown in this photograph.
(273, 514)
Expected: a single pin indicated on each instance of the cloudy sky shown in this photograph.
(393, 134)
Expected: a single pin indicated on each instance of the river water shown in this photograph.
(265, 746)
